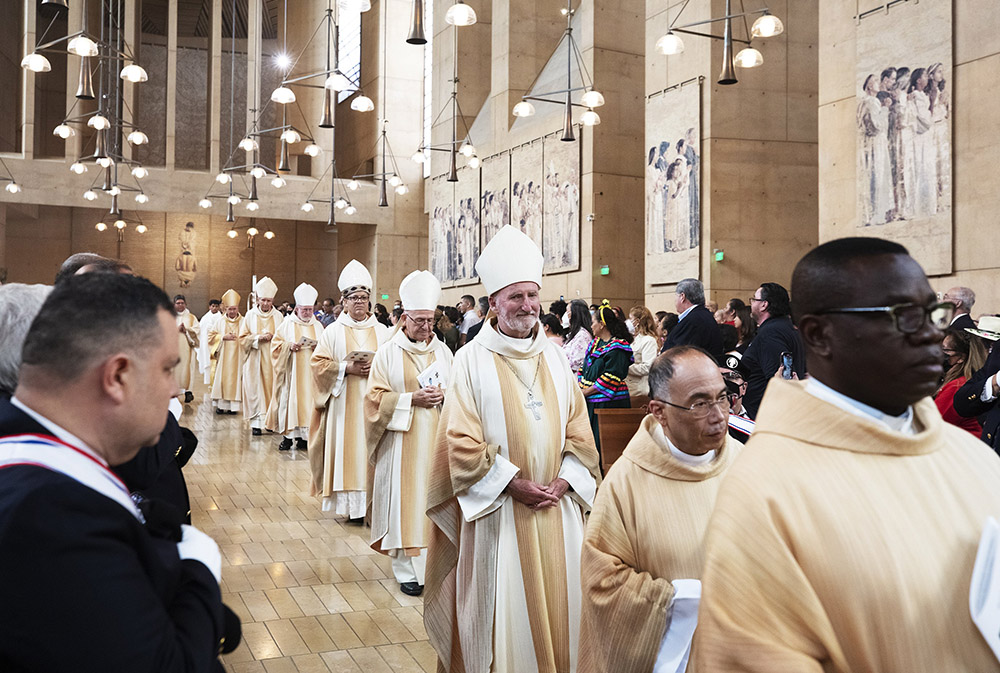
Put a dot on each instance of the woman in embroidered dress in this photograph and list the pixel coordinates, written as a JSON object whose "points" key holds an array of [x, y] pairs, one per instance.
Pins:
{"points": [[602, 378]]}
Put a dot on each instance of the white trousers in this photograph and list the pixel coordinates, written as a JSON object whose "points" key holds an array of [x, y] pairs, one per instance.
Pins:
{"points": [[408, 568]]}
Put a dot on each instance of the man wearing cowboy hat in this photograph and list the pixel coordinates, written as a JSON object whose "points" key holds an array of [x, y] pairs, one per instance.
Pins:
{"points": [[979, 395]]}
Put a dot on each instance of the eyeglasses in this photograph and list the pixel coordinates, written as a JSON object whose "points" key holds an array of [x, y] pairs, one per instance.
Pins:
{"points": [[420, 322], [703, 408], [357, 299], [753, 299], [908, 318]]}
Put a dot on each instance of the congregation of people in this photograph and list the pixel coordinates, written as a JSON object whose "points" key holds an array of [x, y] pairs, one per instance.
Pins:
{"points": [[810, 474]]}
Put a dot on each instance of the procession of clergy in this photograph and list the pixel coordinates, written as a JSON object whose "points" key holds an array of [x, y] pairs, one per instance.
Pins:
{"points": [[843, 539]]}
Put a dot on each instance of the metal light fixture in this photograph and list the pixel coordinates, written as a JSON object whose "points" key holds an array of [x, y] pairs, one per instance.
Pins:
{"points": [[460, 14], [416, 35], [766, 25], [590, 98]]}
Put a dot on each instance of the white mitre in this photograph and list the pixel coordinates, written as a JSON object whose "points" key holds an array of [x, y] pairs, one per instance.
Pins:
{"points": [[510, 257], [354, 277], [420, 291], [265, 288], [305, 295]]}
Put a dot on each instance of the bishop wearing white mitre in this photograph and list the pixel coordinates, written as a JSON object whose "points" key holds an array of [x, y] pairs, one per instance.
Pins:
{"points": [[223, 337], [402, 407], [514, 470], [340, 365], [259, 327], [291, 408]]}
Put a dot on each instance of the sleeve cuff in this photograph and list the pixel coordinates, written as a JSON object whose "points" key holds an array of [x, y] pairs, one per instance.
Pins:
{"points": [[338, 387], [402, 415], [579, 478], [987, 394], [675, 648], [484, 496]]}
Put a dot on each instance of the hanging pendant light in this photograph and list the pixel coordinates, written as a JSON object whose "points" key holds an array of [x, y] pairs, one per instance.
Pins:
{"points": [[85, 88], [749, 58], [362, 103], [383, 201], [767, 25], [567, 136], [134, 73], [50, 8], [416, 35], [283, 161], [728, 74], [460, 14], [326, 122], [36, 62], [81, 45]]}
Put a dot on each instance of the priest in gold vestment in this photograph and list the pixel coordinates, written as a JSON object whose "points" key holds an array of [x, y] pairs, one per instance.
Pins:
{"points": [[187, 344], [259, 327], [337, 443], [844, 536], [643, 546], [514, 470], [224, 340], [402, 407], [291, 409]]}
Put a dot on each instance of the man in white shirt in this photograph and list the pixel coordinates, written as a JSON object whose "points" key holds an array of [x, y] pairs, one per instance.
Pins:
{"points": [[468, 308]]}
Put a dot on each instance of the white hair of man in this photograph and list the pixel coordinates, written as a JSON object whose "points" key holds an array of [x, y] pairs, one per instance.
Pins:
{"points": [[19, 304], [693, 289], [964, 295]]}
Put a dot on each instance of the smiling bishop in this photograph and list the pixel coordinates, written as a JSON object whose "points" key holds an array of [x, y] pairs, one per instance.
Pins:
{"points": [[514, 470]]}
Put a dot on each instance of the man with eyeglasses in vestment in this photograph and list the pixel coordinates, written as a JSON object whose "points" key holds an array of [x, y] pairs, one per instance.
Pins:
{"points": [[643, 546], [340, 364], [406, 388], [844, 536]]}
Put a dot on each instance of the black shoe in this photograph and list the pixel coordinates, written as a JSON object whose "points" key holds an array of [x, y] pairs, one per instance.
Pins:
{"points": [[301, 444], [285, 445], [219, 412], [231, 413], [188, 397], [359, 521], [411, 588], [255, 432]]}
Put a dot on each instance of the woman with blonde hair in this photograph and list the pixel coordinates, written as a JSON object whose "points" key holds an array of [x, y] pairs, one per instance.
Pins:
{"points": [[644, 348]]}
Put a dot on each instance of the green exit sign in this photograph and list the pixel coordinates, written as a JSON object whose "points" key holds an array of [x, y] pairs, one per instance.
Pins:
{"points": [[719, 255], [605, 270], [385, 296]]}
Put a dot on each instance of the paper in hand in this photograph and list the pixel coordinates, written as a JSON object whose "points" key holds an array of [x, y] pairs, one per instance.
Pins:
{"points": [[364, 357], [984, 592], [431, 376]]}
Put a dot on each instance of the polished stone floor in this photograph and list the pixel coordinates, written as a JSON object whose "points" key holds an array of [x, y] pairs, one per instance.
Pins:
{"points": [[311, 593]]}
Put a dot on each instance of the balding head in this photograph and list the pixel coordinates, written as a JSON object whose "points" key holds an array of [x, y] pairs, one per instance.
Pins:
{"points": [[689, 399], [962, 297], [76, 262]]}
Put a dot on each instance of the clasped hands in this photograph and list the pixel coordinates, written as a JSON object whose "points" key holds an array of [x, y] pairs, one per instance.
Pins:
{"points": [[229, 337], [535, 496], [358, 368], [427, 397]]}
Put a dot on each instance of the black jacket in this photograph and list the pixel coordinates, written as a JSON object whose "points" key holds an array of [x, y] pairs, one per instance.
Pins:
{"points": [[963, 321], [763, 357], [84, 586], [968, 402], [697, 329]]}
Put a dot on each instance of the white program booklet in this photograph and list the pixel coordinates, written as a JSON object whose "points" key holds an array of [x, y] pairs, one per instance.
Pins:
{"points": [[984, 593], [431, 376]]}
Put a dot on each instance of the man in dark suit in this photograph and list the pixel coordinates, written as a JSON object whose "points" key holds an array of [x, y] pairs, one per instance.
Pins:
{"points": [[87, 582], [963, 298], [979, 396], [697, 326], [771, 308]]}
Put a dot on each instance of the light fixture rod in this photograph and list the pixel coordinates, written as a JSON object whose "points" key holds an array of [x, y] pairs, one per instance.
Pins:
{"points": [[765, 10], [714, 37]]}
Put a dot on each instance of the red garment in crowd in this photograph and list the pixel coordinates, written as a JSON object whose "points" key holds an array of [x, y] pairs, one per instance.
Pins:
{"points": [[945, 404]]}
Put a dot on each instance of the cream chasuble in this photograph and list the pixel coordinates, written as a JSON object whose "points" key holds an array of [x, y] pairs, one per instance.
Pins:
{"points": [[401, 440], [338, 451], [647, 529], [838, 544], [291, 404], [258, 370], [187, 344], [226, 384], [503, 581], [206, 353]]}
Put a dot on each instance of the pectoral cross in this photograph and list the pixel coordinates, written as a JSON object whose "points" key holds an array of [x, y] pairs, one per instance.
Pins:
{"points": [[532, 404]]}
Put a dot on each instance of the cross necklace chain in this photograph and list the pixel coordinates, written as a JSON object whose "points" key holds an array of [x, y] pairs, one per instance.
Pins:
{"points": [[532, 404]]}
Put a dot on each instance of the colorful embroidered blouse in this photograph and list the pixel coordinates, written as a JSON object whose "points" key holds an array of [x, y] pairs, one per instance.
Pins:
{"points": [[605, 368]]}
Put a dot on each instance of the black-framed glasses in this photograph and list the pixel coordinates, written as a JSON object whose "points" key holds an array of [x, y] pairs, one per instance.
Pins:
{"points": [[702, 408], [421, 322], [753, 299], [907, 318], [357, 298]]}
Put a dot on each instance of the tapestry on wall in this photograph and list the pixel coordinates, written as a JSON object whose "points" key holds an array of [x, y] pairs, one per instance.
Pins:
{"points": [[495, 195], [442, 234], [467, 226], [903, 125], [526, 190], [673, 200], [186, 264], [561, 203]]}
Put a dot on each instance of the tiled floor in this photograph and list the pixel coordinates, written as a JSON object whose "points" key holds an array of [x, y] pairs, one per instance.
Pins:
{"points": [[311, 593]]}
